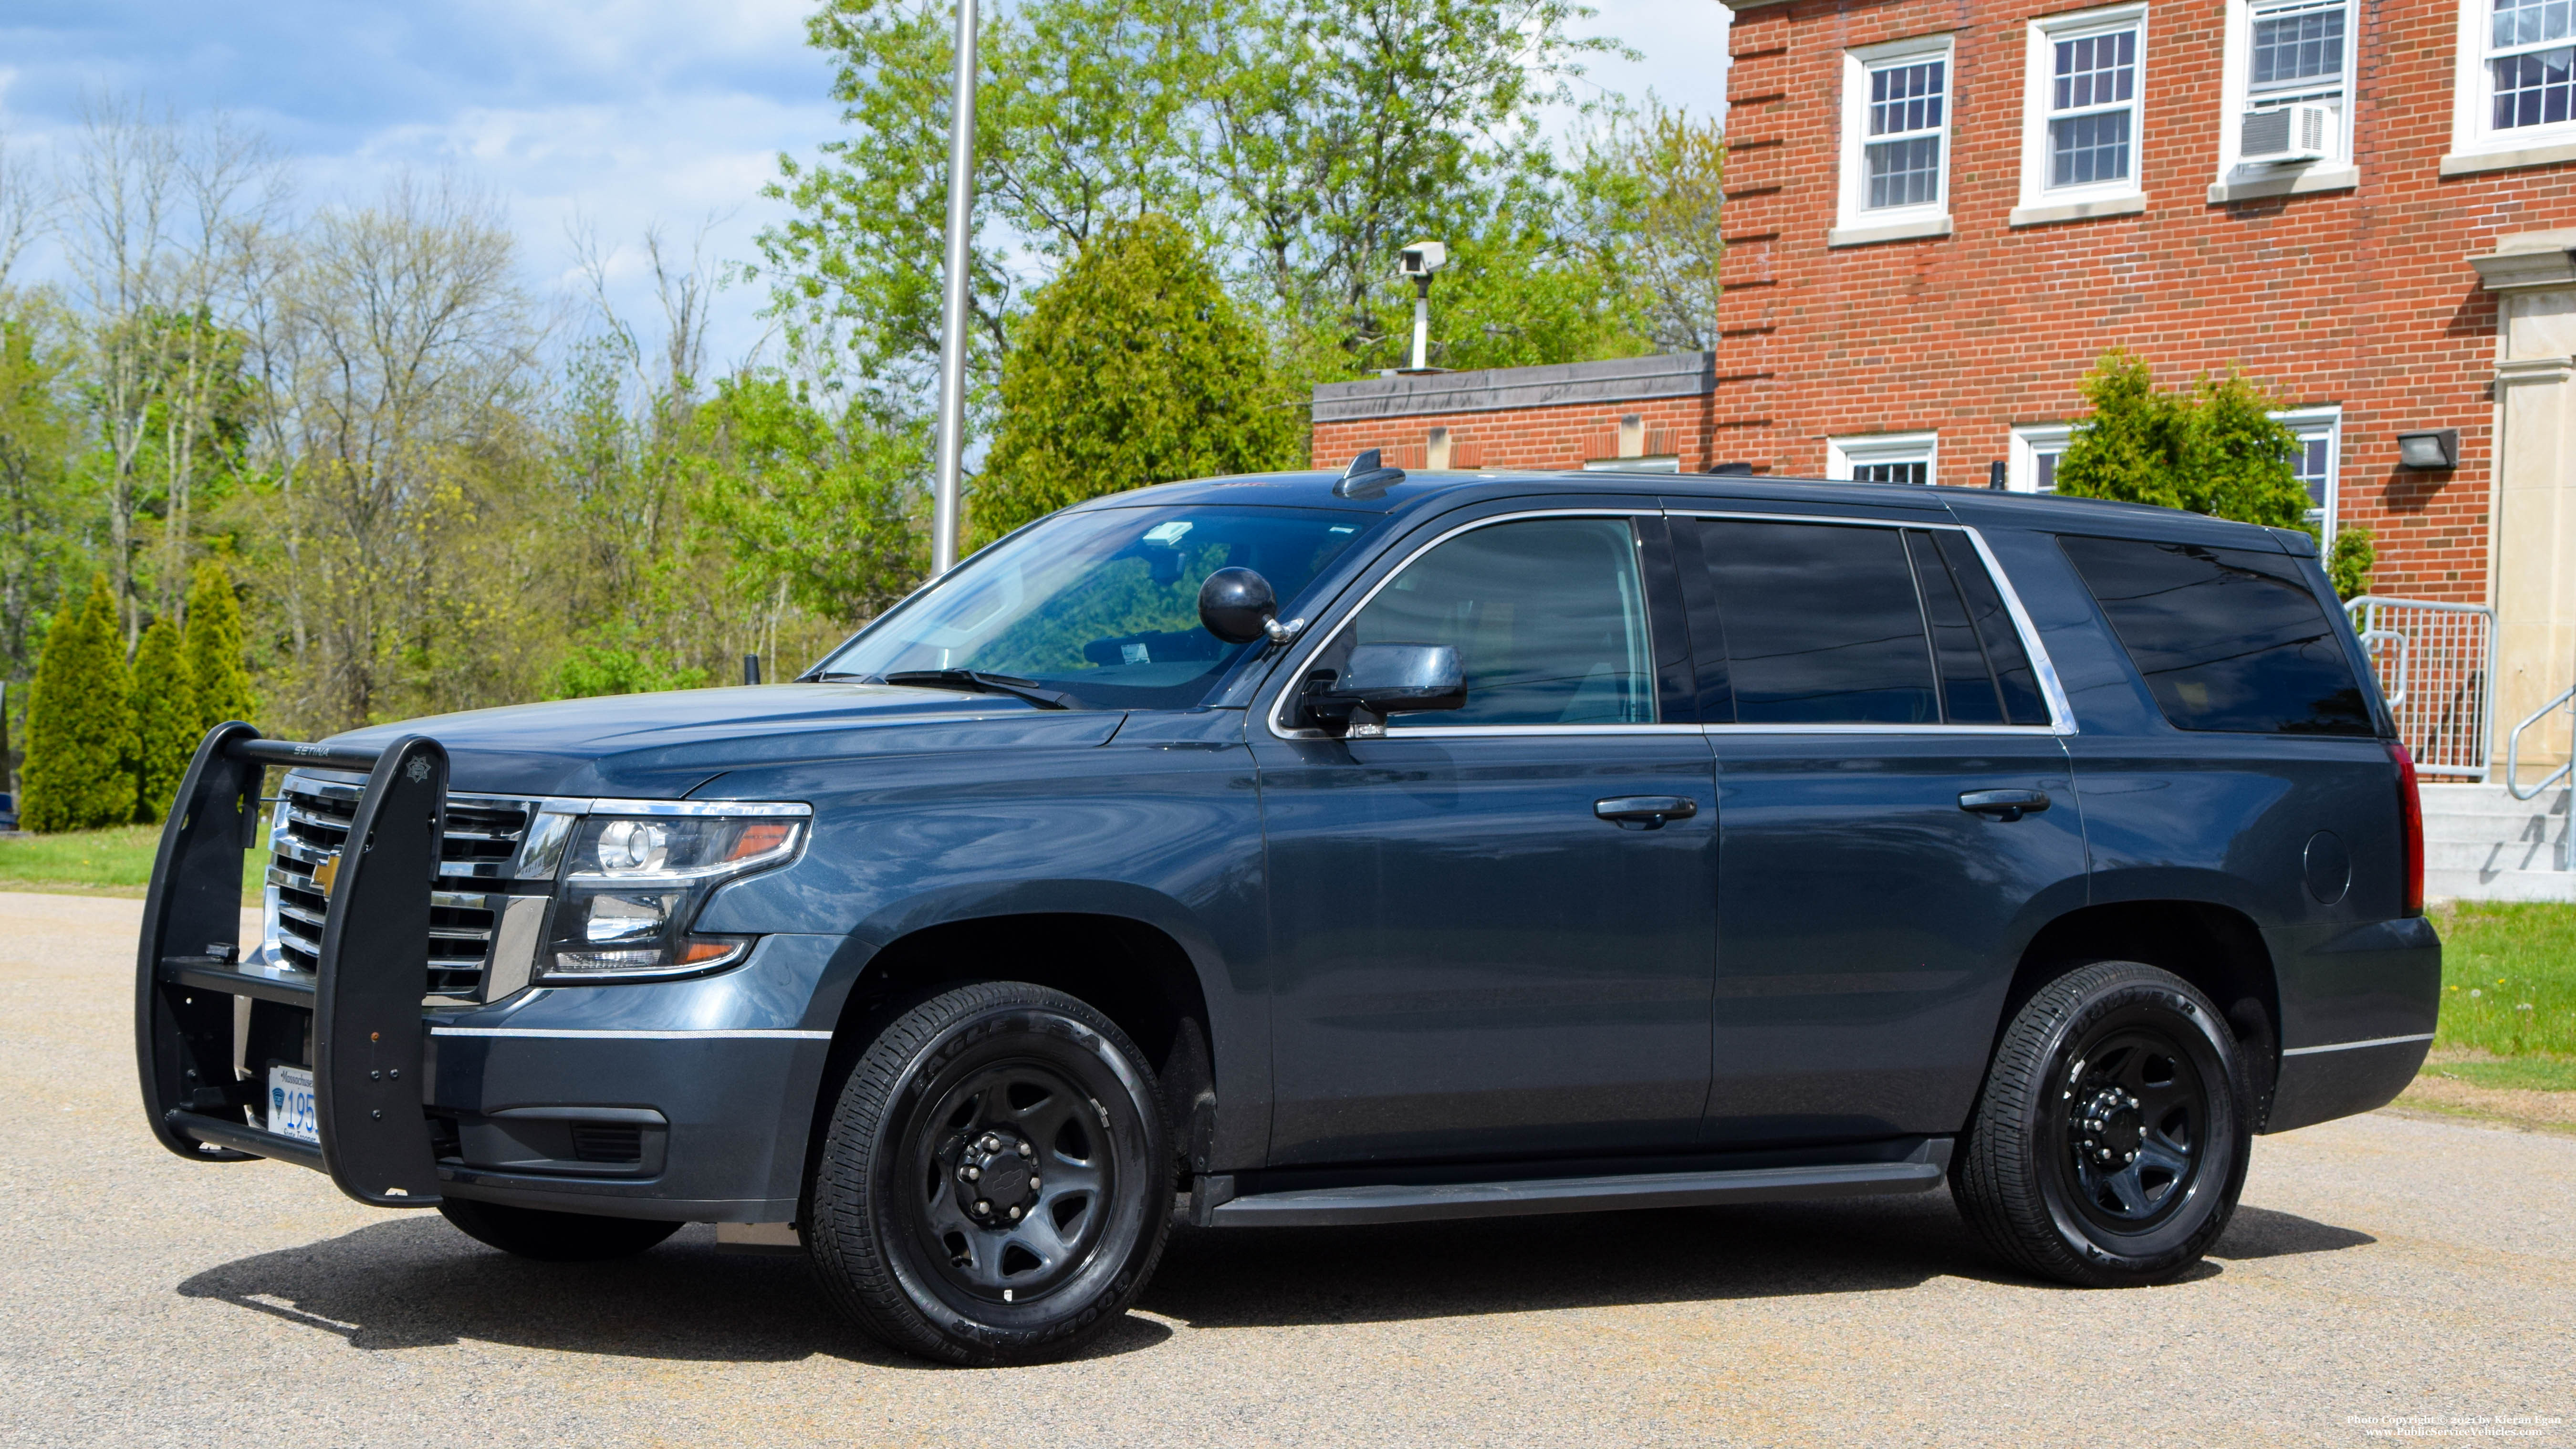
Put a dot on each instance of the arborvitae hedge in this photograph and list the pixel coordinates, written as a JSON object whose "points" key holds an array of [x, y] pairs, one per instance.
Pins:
{"points": [[1132, 368], [80, 724], [216, 675], [165, 720]]}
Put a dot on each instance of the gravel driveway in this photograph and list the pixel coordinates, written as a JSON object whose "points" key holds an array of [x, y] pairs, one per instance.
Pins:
{"points": [[2384, 1274]]}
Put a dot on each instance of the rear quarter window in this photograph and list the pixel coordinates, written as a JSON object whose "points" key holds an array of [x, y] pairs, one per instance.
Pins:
{"points": [[2226, 638]]}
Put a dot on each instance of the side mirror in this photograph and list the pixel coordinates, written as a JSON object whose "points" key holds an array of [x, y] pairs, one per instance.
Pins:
{"points": [[1383, 680], [1236, 605]]}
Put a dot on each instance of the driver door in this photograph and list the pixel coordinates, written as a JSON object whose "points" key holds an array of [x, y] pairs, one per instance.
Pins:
{"points": [[1472, 959]]}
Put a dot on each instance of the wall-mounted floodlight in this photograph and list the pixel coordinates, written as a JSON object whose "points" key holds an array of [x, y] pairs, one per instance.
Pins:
{"points": [[1419, 261], [2430, 448]]}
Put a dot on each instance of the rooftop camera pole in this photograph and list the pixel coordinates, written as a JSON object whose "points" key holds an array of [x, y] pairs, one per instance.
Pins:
{"points": [[952, 332], [1419, 261], [1422, 322]]}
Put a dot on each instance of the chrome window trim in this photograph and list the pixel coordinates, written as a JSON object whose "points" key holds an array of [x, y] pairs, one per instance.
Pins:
{"points": [[2051, 690], [2061, 715], [1317, 641]]}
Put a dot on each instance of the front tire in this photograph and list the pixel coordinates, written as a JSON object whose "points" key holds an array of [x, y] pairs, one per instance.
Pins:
{"points": [[994, 1187], [553, 1237], [2113, 1133]]}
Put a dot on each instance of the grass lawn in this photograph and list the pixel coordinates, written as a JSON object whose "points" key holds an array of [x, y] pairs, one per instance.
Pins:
{"points": [[2509, 983], [112, 862]]}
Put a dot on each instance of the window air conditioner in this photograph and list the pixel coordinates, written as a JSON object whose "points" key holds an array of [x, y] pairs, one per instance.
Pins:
{"points": [[2288, 133]]}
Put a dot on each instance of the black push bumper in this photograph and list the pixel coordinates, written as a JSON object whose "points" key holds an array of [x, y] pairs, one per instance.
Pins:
{"points": [[360, 1009]]}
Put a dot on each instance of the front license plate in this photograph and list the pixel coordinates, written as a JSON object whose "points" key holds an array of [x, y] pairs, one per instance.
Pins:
{"points": [[290, 1104]]}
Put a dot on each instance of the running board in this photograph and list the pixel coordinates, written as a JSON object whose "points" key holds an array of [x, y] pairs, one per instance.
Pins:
{"points": [[1213, 1204]]}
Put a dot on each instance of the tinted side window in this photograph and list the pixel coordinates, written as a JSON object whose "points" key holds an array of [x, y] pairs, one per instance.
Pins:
{"points": [[1969, 694], [2013, 674], [1822, 626], [1548, 618], [2227, 638]]}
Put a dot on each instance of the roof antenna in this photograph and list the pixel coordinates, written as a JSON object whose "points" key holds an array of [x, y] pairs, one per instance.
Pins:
{"points": [[1367, 477]]}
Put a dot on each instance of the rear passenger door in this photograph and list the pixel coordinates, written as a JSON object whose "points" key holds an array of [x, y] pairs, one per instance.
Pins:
{"points": [[1896, 819]]}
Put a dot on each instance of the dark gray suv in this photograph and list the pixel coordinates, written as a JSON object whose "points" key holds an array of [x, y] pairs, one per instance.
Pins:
{"points": [[1310, 849]]}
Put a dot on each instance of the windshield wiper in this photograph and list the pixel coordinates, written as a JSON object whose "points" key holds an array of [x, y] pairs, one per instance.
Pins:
{"points": [[973, 681]]}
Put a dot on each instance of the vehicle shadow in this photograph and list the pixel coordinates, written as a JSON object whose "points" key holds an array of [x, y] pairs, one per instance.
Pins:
{"points": [[416, 1282], [2262, 1233], [1279, 1277]]}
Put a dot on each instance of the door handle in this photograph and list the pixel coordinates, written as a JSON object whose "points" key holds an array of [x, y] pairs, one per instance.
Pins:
{"points": [[2004, 805], [1645, 812]]}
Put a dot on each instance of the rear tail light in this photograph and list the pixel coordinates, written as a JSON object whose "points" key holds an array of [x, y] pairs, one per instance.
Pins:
{"points": [[2410, 815]]}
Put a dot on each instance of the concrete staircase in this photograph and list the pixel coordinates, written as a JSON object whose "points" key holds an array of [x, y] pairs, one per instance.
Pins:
{"points": [[2482, 844]]}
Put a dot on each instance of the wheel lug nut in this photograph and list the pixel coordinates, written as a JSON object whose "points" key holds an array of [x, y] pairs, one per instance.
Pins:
{"points": [[982, 1207], [970, 1172], [992, 1143], [1033, 1184], [1015, 1215], [1024, 1149]]}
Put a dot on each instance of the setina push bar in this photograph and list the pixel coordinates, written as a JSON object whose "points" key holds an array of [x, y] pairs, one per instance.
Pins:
{"points": [[198, 992]]}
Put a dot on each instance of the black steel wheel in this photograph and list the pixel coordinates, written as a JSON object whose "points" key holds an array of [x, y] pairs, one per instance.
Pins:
{"points": [[988, 1190], [553, 1237], [2112, 1136]]}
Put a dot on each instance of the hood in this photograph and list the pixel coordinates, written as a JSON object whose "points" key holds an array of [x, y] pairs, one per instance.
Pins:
{"points": [[662, 746]]}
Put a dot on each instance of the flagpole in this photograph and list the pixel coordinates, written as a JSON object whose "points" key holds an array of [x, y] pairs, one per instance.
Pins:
{"points": [[952, 333]]}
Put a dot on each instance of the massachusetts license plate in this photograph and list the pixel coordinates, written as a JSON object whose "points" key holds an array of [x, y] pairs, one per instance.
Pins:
{"points": [[290, 1104]]}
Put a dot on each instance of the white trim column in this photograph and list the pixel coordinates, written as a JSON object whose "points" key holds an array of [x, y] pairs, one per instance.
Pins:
{"points": [[2533, 513]]}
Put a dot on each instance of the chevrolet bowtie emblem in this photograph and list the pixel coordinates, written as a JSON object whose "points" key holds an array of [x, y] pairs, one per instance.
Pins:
{"points": [[327, 872]]}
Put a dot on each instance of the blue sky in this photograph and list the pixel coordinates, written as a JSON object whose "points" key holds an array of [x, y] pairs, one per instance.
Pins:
{"points": [[614, 113]]}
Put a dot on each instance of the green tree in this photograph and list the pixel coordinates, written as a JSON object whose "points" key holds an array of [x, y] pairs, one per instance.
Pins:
{"points": [[2349, 562], [1133, 368], [2213, 448], [808, 509], [218, 683], [81, 747], [1304, 140], [165, 720]]}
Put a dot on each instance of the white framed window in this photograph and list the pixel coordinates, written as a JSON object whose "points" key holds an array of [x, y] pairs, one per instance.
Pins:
{"points": [[2032, 464], [1897, 110], [2281, 54], [2516, 86], [2318, 461], [1884, 458], [2084, 107]]}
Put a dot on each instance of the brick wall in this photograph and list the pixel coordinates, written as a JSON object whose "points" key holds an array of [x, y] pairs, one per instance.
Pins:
{"points": [[2361, 298], [1566, 436]]}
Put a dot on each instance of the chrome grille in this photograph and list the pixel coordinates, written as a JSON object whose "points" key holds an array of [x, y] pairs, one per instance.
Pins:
{"points": [[482, 837]]}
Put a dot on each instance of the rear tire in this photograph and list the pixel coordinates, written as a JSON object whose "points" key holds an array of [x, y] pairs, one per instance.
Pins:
{"points": [[995, 1184], [553, 1237], [2112, 1137]]}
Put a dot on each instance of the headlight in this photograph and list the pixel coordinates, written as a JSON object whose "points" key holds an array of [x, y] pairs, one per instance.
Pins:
{"points": [[632, 884]]}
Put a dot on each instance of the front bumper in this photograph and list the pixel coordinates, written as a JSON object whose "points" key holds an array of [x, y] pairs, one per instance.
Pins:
{"points": [[711, 1084], [678, 1100]]}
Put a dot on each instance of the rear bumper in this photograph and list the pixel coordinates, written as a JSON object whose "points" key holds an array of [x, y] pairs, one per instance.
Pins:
{"points": [[2358, 1008], [2321, 1084]]}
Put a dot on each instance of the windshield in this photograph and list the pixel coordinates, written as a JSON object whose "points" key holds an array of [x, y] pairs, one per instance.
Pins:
{"points": [[1102, 605]]}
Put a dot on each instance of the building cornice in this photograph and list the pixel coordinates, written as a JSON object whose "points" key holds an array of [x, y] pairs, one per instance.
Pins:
{"points": [[1424, 394], [2529, 260]]}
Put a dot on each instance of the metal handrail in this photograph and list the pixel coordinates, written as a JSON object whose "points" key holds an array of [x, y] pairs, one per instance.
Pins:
{"points": [[2513, 750]]}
